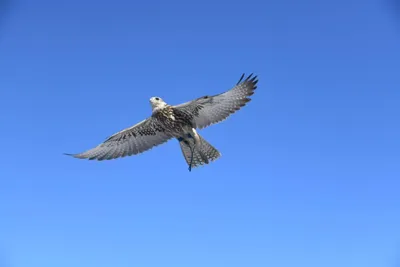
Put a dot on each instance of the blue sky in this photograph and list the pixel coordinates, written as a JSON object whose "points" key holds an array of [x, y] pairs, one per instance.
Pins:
{"points": [[309, 174]]}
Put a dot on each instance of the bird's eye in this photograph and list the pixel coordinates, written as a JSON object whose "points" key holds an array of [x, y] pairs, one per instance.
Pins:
{"points": [[157, 98]]}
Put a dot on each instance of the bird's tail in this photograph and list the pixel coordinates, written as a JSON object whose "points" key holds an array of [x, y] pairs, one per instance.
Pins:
{"points": [[199, 154]]}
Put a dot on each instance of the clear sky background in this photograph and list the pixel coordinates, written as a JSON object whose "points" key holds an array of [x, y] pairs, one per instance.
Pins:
{"points": [[309, 173]]}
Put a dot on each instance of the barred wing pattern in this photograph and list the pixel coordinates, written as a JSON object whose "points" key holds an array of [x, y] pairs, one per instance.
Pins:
{"points": [[208, 110], [134, 140]]}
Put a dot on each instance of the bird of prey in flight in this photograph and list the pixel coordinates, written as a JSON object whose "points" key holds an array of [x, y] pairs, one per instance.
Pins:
{"points": [[179, 122]]}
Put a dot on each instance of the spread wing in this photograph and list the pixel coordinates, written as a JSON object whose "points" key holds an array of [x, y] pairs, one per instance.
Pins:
{"points": [[208, 110], [130, 141]]}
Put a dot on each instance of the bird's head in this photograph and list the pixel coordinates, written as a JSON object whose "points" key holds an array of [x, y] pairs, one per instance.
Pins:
{"points": [[157, 103]]}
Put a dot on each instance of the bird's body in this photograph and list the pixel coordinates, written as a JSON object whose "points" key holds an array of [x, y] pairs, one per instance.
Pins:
{"points": [[179, 122], [174, 120]]}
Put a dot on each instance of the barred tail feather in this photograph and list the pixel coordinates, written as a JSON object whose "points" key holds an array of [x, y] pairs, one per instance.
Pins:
{"points": [[203, 153]]}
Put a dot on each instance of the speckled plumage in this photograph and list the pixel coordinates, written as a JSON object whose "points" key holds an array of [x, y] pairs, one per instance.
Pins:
{"points": [[173, 120], [180, 122]]}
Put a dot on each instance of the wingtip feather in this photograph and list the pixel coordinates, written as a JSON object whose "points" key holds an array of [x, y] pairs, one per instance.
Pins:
{"points": [[241, 78], [251, 78]]}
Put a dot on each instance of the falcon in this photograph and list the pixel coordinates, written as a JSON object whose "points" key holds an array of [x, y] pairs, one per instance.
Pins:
{"points": [[178, 122]]}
